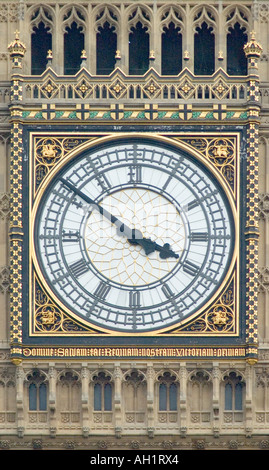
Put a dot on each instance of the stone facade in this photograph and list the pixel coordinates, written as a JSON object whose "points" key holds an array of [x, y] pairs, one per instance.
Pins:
{"points": [[113, 403]]}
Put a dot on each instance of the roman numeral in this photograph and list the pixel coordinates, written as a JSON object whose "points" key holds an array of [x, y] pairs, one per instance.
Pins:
{"points": [[70, 236], [135, 174], [134, 299], [103, 182], [190, 268], [167, 291], [199, 236], [102, 290], [191, 205], [79, 267]]}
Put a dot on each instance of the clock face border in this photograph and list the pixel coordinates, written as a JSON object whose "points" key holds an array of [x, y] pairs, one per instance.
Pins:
{"points": [[173, 140]]}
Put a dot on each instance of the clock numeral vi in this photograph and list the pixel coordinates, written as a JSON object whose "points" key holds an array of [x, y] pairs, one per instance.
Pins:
{"points": [[134, 299]]}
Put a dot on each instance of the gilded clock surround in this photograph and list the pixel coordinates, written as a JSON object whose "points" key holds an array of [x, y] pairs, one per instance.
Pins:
{"points": [[220, 318]]}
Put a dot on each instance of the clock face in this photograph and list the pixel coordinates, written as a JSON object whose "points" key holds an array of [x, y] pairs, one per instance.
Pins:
{"points": [[134, 236]]}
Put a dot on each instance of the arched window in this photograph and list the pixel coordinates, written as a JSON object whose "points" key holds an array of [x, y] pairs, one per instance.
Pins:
{"points": [[234, 396], [41, 27], [135, 397], [236, 59], [171, 50], [106, 46], [73, 46], [102, 393], [204, 50], [168, 391], [37, 391], [41, 42], [138, 50]]}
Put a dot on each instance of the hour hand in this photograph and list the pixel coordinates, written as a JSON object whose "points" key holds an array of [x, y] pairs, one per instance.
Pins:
{"points": [[150, 246]]}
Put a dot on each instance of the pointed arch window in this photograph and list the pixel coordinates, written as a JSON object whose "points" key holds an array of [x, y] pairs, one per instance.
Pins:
{"points": [[234, 396], [41, 42], [102, 397], [73, 46], [204, 50], [37, 392], [102, 393], [106, 46], [168, 391], [236, 58], [171, 50], [138, 50]]}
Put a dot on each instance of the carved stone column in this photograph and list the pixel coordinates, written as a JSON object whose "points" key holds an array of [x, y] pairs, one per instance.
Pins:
{"points": [[19, 400], [150, 397], [249, 400], [183, 398], [118, 399], [85, 400], [52, 399], [216, 399]]}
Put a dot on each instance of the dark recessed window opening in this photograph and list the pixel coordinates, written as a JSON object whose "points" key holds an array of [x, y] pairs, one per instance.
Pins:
{"points": [[138, 50], [204, 50], [171, 50], [73, 46], [236, 59], [106, 45], [41, 42]]}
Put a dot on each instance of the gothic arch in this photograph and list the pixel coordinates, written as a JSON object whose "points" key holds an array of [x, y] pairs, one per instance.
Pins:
{"points": [[171, 14], [106, 13], [167, 372], [68, 375], [139, 13], [41, 25], [199, 375], [207, 14], [106, 27], [101, 373], [237, 27], [36, 375], [233, 373], [134, 374], [73, 24], [74, 14], [205, 26], [237, 14], [171, 24], [41, 13]]}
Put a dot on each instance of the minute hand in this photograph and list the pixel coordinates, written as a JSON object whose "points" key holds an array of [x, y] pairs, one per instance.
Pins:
{"points": [[112, 218]]}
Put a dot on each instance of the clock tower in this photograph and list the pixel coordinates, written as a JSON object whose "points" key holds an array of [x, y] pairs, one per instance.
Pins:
{"points": [[136, 301]]}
